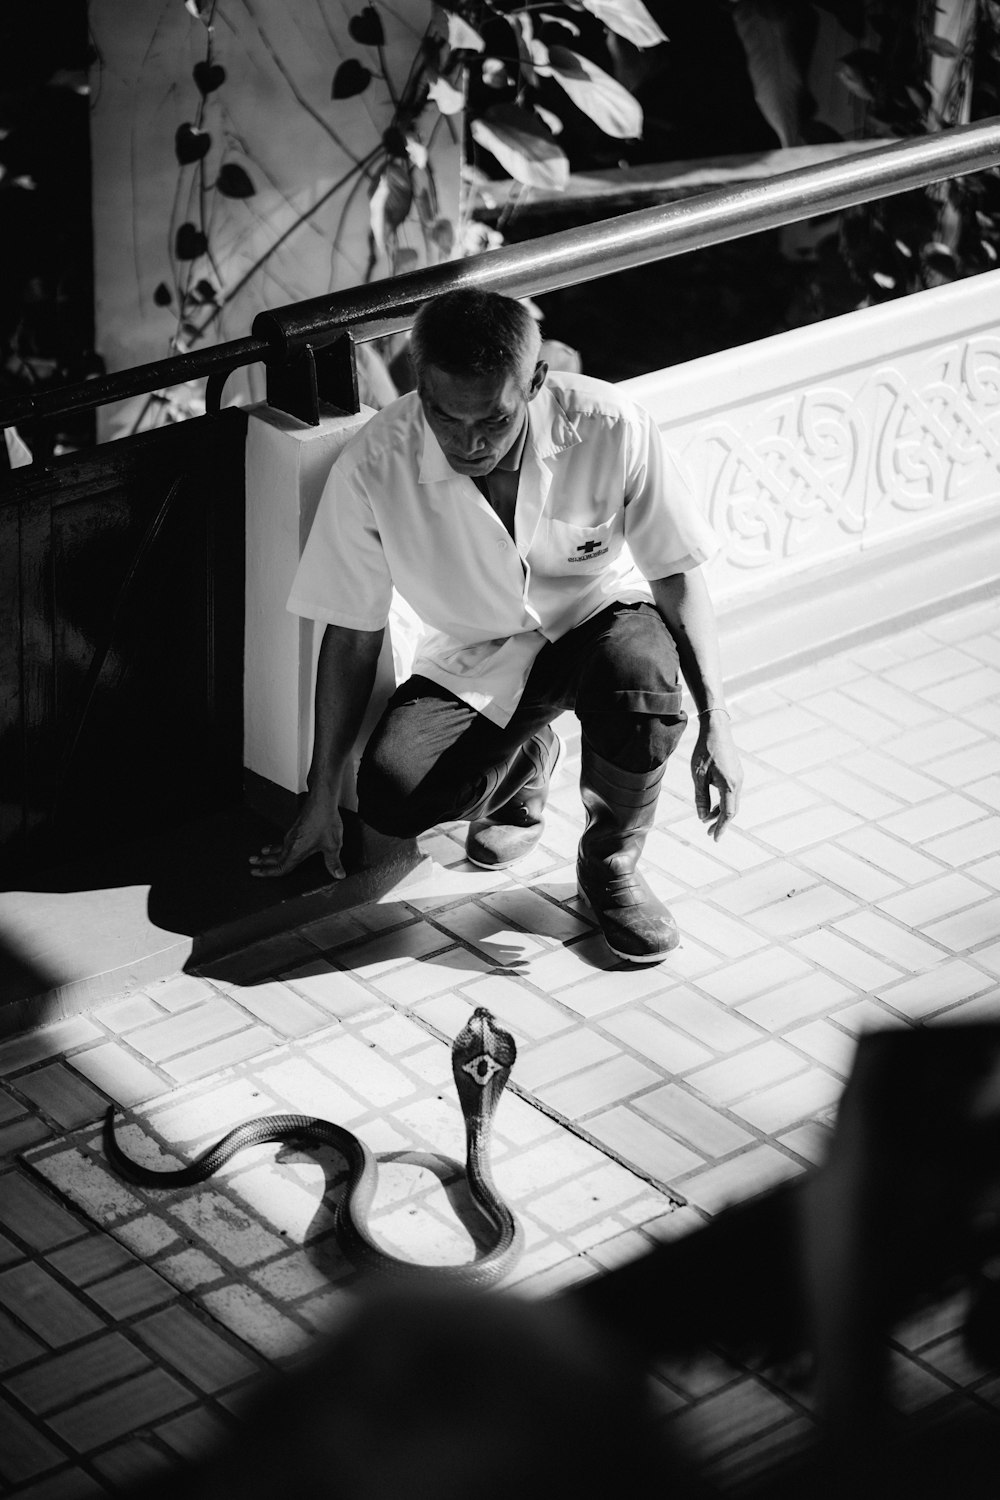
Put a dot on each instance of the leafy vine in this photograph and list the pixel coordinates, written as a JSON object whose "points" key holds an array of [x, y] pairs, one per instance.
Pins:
{"points": [[405, 216]]}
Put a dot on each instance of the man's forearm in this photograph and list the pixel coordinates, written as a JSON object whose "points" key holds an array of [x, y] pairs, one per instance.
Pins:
{"points": [[684, 603], [345, 676]]}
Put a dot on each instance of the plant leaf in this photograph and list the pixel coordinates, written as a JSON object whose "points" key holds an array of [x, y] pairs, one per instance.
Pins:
{"points": [[570, 26], [769, 42], [462, 35], [233, 182], [190, 242], [191, 144], [366, 28], [941, 47], [390, 203], [405, 258], [854, 80], [850, 14], [630, 19], [442, 234], [208, 77], [522, 145], [352, 77], [552, 121], [446, 96], [494, 73], [612, 108]]}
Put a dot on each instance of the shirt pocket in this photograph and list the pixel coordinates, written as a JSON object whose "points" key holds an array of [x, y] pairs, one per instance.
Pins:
{"points": [[566, 549]]}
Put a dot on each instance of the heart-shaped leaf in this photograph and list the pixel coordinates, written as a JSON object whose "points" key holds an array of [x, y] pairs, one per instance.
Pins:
{"points": [[208, 76], [233, 182], [190, 242], [366, 27], [352, 77], [191, 144], [163, 296]]}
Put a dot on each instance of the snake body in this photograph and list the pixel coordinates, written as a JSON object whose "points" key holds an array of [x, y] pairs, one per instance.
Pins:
{"points": [[482, 1057]]}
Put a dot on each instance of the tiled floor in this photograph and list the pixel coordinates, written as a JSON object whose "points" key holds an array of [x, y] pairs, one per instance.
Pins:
{"points": [[861, 888]]}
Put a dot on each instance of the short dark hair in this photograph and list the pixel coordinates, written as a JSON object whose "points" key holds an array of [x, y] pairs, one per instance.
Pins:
{"points": [[472, 332]]}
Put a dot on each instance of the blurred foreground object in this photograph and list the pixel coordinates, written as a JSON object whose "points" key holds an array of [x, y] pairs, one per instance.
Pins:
{"points": [[433, 1394], [905, 1212]]}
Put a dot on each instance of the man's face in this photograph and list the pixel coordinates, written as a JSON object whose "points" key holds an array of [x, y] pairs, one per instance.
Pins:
{"points": [[477, 418]]}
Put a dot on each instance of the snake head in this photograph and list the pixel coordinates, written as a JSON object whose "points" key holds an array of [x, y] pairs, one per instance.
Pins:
{"points": [[482, 1056]]}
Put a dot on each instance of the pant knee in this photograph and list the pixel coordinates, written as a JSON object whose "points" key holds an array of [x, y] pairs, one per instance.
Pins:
{"points": [[386, 805], [632, 741], [390, 803]]}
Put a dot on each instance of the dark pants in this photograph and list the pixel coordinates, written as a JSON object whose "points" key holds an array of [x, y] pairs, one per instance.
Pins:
{"points": [[432, 758]]}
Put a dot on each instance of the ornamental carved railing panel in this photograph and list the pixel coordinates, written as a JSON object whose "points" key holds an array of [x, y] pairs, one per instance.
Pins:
{"points": [[822, 442]]}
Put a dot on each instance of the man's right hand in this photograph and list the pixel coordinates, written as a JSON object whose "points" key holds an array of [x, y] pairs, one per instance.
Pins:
{"points": [[318, 829]]}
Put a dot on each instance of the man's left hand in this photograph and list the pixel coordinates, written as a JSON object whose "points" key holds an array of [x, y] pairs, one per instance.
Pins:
{"points": [[716, 763]]}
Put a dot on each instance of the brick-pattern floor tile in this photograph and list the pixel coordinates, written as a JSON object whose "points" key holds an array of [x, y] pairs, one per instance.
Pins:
{"points": [[104, 1361], [31, 1214], [737, 1077], [742, 1176], [24, 1451], [858, 890], [132, 1405], [65, 1098], [208, 1361], [46, 1307], [707, 1129], [114, 1070]]}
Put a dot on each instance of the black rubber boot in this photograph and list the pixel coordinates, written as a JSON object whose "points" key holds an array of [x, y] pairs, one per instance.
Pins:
{"points": [[621, 806], [510, 824]]}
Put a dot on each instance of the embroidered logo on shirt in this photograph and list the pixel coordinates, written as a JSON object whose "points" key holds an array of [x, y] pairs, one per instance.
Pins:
{"points": [[589, 549]]}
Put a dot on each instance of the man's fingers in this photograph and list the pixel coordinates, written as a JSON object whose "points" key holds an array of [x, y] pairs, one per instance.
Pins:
{"points": [[702, 792], [281, 859], [728, 800], [722, 813]]}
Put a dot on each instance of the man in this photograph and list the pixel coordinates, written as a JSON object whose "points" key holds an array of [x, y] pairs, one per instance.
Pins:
{"points": [[537, 528]]}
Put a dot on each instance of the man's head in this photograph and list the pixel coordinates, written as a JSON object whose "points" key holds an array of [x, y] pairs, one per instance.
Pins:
{"points": [[476, 360]]}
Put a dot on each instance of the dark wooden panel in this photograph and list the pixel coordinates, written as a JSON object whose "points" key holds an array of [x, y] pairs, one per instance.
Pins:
{"points": [[132, 585], [11, 721]]}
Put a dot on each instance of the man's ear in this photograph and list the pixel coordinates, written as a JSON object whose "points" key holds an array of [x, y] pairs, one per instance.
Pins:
{"points": [[537, 379]]}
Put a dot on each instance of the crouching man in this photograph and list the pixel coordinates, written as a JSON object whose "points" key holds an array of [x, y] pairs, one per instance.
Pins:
{"points": [[540, 532]]}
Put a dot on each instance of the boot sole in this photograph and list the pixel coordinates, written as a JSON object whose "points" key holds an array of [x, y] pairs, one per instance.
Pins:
{"points": [[505, 864], [629, 958]]}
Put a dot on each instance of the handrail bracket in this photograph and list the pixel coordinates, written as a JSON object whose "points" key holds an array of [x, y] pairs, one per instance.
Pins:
{"points": [[328, 375]]}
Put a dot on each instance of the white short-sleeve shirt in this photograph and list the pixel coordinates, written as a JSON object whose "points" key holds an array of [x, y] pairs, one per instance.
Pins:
{"points": [[601, 508]]}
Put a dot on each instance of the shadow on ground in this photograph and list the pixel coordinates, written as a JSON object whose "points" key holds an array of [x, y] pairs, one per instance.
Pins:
{"points": [[140, 911]]}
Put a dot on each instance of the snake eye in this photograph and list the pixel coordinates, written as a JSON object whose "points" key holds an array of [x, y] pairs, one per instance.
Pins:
{"points": [[481, 1069]]}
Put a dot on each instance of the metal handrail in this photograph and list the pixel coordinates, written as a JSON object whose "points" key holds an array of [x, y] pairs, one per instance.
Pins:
{"points": [[565, 258]]}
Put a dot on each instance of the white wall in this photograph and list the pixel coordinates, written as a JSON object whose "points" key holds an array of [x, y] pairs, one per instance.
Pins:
{"points": [[824, 442]]}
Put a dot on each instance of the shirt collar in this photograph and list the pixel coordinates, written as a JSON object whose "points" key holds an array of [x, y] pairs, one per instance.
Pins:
{"points": [[511, 460]]}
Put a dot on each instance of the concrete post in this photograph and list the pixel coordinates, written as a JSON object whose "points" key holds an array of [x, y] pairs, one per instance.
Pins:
{"points": [[287, 464]]}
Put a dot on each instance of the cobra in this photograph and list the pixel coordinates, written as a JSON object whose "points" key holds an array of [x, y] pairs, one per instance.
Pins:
{"points": [[482, 1056]]}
